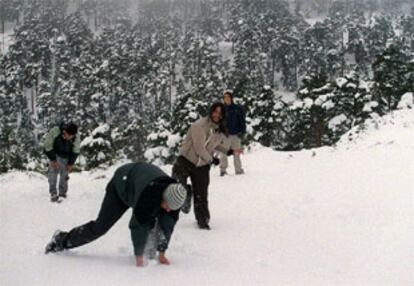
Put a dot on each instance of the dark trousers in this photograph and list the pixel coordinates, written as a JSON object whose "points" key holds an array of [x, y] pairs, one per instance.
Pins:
{"points": [[200, 179], [112, 209]]}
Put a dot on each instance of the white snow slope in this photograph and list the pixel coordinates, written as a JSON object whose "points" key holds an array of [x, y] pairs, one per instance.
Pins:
{"points": [[329, 216]]}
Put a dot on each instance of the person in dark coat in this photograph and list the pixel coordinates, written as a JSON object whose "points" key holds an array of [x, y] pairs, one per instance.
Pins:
{"points": [[62, 147], [155, 198], [236, 127]]}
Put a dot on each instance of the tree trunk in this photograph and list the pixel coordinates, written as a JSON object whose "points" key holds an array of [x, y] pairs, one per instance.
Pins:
{"points": [[318, 132]]}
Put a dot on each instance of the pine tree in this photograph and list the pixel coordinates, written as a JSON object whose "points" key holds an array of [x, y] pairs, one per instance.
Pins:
{"points": [[390, 76], [132, 141], [407, 25], [161, 143], [352, 102], [262, 117], [310, 113], [97, 148], [379, 33]]}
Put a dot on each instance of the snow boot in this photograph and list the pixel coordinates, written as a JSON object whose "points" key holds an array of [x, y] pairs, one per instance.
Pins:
{"points": [[203, 225], [54, 198], [56, 244]]}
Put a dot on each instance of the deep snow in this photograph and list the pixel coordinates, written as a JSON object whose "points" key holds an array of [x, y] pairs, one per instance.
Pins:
{"points": [[328, 216]]}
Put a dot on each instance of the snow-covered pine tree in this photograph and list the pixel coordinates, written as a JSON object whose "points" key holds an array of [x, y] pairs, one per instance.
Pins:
{"points": [[378, 34], [390, 75], [261, 118], [83, 80], [97, 149], [161, 142], [407, 26], [310, 113], [187, 108], [352, 102], [317, 43], [131, 141]]}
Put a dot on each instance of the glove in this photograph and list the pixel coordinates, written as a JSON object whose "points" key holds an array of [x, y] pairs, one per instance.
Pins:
{"points": [[215, 161]]}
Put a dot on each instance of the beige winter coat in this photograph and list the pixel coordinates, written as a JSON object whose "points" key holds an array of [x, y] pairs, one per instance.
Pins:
{"points": [[201, 141]]}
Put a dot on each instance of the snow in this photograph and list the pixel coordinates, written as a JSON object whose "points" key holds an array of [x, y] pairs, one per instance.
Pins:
{"points": [[313, 21], [193, 115], [369, 106], [407, 101], [297, 104], [101, 156], [101, 129], [173, 140], [326, 87], [304, 91], [336, 121], [105, 64], [327, 216], [341, 81], [308, 102], [90, 141], [328, 105], [394, 130], [351, 85]]}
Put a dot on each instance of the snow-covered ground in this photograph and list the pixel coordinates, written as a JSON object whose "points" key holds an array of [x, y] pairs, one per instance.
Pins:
{"points": [[329, 216]]}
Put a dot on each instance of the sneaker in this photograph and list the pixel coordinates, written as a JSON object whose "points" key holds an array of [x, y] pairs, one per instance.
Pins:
{"points": [[56, 243], [54, 198], [223, 173]]}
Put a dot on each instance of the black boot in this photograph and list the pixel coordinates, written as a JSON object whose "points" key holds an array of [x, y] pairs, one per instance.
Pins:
{"points": [[57, 243], [203, 225]]}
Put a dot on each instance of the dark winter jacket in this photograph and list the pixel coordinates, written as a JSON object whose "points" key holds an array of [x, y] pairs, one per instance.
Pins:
{"points": [[55, 144], [140, 186], [236, 121]]}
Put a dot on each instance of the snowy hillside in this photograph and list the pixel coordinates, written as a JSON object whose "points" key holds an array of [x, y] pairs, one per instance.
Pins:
{"points": [[329, 216]]}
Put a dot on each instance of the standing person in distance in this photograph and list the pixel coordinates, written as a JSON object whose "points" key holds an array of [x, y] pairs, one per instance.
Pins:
{"points": [[236, 127], [62, 147]]}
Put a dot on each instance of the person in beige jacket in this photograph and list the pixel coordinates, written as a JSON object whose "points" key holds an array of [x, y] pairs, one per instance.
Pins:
{"points": [[203, 139]]}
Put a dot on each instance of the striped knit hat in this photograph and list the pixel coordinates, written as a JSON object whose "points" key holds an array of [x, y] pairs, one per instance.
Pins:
{"points": [[174, 195]]}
